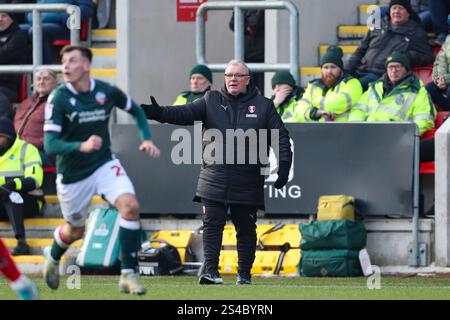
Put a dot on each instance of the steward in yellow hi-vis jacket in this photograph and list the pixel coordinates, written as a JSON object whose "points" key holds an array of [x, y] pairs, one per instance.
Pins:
{"points": [[286, 93], [200, 79], [331, 97], [397, 96], [21, 177]]}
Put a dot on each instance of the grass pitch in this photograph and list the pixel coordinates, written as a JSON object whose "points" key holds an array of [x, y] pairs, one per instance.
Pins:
{"points": [[273, 288]]}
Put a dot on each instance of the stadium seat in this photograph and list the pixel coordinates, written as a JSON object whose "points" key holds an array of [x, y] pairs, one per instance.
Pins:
{"points": [[424, 73], [428, 167], [84, 34], [23, 90], [436, 49]]}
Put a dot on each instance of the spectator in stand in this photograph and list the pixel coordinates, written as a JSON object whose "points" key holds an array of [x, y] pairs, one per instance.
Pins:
{"points": [[54, 24], [13, 51], [421, 8], [200, 82], [398, 96], [402, 33], [30, 116], [439, 10], [331, 97], [441, 77], [254, 28], [21, 177], [286, 93]]}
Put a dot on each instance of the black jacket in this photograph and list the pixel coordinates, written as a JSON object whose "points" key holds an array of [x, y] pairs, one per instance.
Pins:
{"points": [[232, 183], [254, 28], [13, 51], [409, 39]]}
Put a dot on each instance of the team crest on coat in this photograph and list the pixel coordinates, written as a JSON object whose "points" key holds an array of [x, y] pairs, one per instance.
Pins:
{"points": [[251, 109], [100, 97], [400, 100]]}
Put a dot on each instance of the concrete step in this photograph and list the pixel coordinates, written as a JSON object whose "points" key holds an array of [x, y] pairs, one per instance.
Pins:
{"points": [[355, 32], [37, 245], [347, 49], [108, 75], [104, 58], [363, 12], [309, 73], [104, 35]]}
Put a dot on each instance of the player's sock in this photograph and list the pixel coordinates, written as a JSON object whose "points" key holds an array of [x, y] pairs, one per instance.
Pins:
{"points": [[59, 245], [7, 265], [129, 236]]}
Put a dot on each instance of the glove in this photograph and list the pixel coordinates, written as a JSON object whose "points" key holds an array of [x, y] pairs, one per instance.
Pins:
{"points": [[283, 174], [152, 111], [4, 194]]}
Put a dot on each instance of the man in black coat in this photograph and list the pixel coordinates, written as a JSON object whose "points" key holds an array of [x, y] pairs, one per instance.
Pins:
{"points": [[13, 51], [231, 177], [402, 33]]}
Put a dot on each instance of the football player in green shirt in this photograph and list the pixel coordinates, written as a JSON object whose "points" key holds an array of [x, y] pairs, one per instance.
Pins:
{"points": [[76, 130]]}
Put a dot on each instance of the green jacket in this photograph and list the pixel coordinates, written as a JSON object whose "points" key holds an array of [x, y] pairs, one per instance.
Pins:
{"points": [[407, 101], [441, 65], [287, 107], [189, 96], [338, 99]]}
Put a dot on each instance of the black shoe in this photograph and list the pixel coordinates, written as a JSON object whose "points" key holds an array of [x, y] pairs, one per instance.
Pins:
{"points": [[209, 278], [243, 280], [22, 249]]}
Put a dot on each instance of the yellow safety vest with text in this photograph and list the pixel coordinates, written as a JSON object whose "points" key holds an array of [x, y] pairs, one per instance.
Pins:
{"points": [[339, 99], [409, 101], [22, 160]]}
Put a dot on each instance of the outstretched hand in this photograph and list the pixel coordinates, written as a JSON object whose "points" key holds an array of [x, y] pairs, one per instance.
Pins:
{"points": [[152, 111]]}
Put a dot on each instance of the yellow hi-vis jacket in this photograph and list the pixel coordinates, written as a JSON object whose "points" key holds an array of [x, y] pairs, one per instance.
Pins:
{"points": [[408, 101], [338, 99], [22, 160]]}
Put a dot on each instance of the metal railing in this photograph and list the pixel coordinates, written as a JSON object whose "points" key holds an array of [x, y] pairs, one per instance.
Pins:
{"points": [[74, 25], [238, 6]]}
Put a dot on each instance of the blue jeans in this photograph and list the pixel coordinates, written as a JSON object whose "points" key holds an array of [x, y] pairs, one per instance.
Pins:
{"points": [[47, 161], [50, 33], [439, 10], [437, 96]]}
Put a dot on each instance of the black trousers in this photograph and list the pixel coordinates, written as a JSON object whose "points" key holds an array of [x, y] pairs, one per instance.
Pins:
{"points": [[16, 213], [214, 220]]}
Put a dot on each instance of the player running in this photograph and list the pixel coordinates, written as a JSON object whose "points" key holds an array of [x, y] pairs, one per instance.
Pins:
{"points": [[76, 129], [24, 287]]}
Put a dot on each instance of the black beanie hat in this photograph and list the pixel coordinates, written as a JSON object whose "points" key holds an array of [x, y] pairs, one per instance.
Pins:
{"points": [[203, 70], [283, 77], [400, 58], [334, 55], [407, 5], [12, 15], [7, 128]]}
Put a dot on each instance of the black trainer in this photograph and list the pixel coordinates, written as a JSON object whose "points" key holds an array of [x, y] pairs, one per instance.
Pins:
{"points": [[22, 249], [243, 280], [209, 278]]}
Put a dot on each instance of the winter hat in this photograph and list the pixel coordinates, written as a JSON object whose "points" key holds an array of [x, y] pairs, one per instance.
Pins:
{"points": [[12, 15], [400, 58], [334, 55], [283, 77], [7, 128], [407, 5], [203, 70]]}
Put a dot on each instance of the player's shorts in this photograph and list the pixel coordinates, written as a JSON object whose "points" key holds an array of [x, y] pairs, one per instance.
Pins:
{"points": [[109, 181]]}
